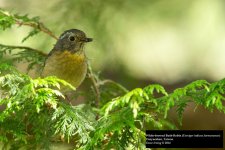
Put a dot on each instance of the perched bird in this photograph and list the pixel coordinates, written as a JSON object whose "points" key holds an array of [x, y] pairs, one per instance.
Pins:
{"points": [[67, 60]]}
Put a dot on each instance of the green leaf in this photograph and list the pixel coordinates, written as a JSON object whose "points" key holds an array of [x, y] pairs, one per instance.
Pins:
{"points": [[31, 33]]}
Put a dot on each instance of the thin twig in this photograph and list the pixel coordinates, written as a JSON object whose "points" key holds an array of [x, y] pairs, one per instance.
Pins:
{"points": [[113, 82], [95, 85], [25, 47], [39, 26]]}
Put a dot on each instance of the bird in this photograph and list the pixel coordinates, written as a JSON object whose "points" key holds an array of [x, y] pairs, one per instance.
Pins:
{"points": [[67, 59]]}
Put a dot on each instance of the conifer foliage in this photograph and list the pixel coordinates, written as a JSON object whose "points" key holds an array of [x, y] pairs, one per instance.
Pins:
{"points": [[35, 114]]}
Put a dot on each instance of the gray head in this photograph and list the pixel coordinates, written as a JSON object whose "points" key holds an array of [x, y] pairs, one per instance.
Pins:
{"points": [[71, 40]]}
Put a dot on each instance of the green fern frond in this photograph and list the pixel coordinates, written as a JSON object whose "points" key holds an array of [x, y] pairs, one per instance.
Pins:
{"points": [[70, 121], [30, 34], [132, 99], [8, 19], [155, 87], [215, 97], [115, 123]]}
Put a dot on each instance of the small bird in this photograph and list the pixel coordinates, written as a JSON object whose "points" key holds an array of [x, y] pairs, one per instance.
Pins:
{"points": [[67, 60]]}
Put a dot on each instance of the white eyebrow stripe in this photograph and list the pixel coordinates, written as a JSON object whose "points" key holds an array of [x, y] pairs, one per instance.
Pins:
{"points": [[61, 37]]}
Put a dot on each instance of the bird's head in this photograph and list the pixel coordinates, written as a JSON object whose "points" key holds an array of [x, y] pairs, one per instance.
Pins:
{"points": [[72, 40]]}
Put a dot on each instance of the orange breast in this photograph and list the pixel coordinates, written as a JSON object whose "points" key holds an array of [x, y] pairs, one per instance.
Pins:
{"points": [[67, 66]]}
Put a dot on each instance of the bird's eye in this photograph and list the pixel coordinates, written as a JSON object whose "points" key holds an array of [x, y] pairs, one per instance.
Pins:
{"points": [[72, 38]]}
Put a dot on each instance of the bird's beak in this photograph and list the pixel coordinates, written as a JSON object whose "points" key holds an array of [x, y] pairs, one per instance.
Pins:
{"points": [[87, 39]]}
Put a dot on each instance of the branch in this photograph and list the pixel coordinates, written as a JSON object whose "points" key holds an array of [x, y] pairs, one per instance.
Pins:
{"points": [[39, 26], [25, 47], [95, 85], [32, 23], [113, 82]]}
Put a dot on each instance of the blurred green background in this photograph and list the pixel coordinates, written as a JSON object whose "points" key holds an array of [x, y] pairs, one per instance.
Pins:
{"points": [[159, 40], [170, 42]]}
